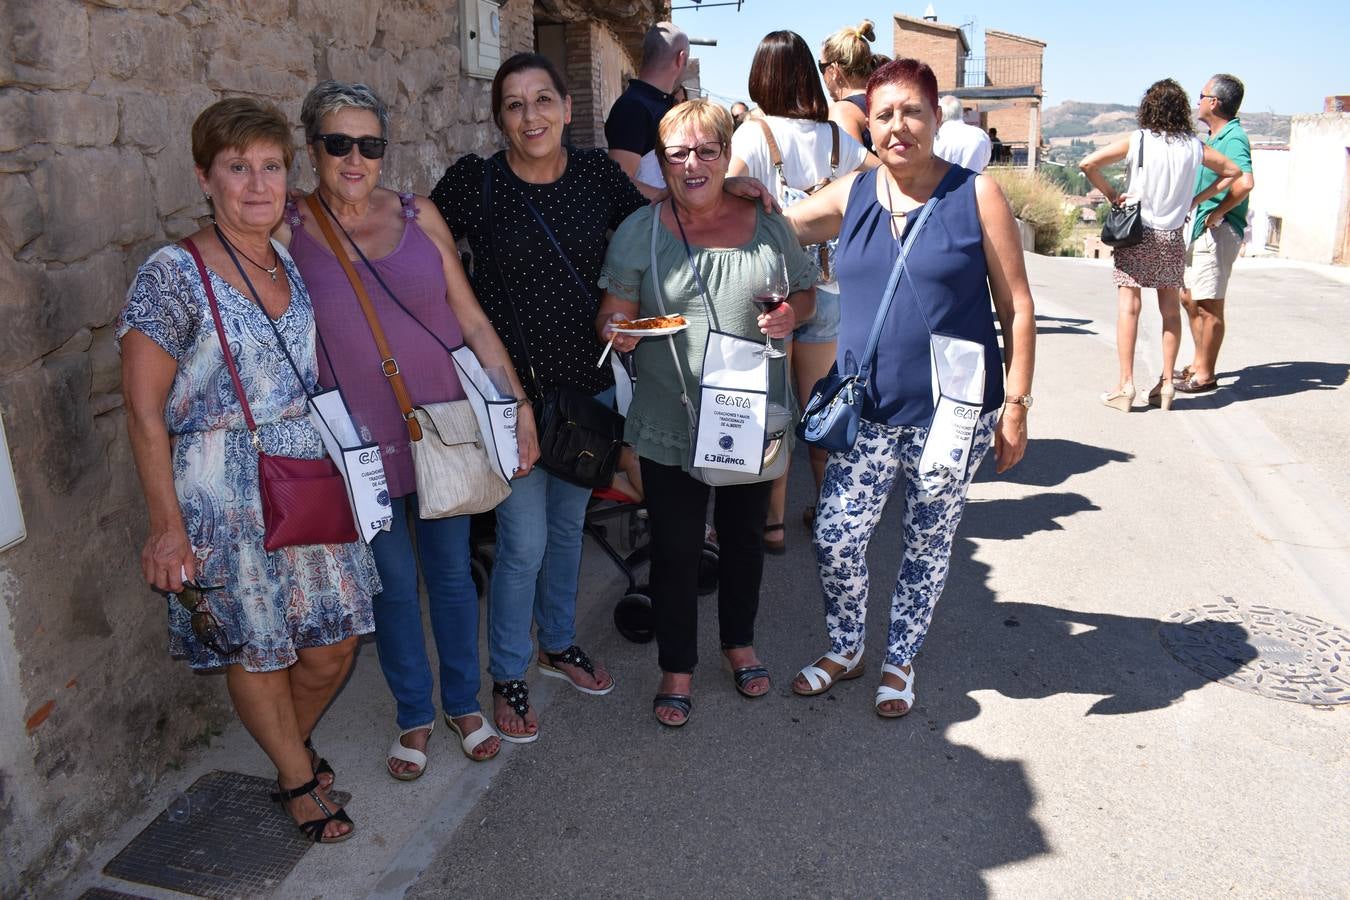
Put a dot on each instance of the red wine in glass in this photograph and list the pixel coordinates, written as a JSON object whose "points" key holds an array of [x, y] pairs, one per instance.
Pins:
{"points": [[770, 291], [769, 302]]}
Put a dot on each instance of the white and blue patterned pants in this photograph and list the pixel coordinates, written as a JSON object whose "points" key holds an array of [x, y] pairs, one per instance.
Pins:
{"points": [[855, 490]]}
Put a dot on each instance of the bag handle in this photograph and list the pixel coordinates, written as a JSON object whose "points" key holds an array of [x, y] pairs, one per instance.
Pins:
{"points": [[388, 364], [776, 156], [224, 343], [865, 373]]}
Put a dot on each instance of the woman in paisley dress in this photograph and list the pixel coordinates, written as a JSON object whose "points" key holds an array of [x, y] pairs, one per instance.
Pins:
{"points": [[284, 624], [967, 254]]}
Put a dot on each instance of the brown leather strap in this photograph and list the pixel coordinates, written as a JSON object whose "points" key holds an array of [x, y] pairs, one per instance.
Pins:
{"points": [[775, 157], [834, 147], [388, 365]]}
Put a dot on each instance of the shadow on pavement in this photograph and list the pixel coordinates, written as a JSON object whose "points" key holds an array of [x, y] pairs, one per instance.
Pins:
{"points": [[1273, 379], [794, 796], [1046, 325], [1052, 461]]}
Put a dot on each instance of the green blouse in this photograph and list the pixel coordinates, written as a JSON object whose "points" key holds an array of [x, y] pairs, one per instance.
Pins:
{"points": [[657, 426]]}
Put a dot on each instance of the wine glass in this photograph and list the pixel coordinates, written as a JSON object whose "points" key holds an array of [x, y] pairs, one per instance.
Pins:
{"points": [[769, 292]]}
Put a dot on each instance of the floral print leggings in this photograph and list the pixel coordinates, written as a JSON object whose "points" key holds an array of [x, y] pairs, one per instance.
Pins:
{"points": [[855, 490]]}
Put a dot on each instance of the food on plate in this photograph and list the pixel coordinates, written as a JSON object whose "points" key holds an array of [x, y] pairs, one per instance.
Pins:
{"points": [[676, 321]]}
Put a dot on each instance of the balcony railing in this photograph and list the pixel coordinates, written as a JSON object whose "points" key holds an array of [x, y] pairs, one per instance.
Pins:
{"points": [[999, 71], [1010, 153]]}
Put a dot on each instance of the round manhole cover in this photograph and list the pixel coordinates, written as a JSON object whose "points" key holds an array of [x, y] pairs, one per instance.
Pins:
{"points": [[1271, 652]]}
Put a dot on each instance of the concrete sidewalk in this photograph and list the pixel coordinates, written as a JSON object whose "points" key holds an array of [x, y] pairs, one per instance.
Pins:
{"points": [[1056, 747]]}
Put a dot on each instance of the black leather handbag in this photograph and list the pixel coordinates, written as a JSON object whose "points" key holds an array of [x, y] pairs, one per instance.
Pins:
{"points": [[1123, 225]]}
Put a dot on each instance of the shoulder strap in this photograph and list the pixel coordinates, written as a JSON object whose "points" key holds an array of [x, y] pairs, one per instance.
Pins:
{"points": [[865, 373], [224, 343], [388, 365], [834, 146], [775, 157]]}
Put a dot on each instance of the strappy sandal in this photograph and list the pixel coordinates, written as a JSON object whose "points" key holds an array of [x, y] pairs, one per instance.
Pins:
{"points": [[746, 674], [474, 739], [572, 656], [321, 766], [313, 829], [516, 693], [776, 547], [906, 695], [681, 703], [408, 754], [821, 681]]}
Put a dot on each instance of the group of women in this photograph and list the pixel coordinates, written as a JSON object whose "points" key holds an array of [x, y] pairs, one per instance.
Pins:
{"points": [[564, 250]]}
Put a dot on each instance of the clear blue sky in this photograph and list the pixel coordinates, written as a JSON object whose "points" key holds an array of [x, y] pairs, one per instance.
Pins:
{"points": [[1289, 53]]}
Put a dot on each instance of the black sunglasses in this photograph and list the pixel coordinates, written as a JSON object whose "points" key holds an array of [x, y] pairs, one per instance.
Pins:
{"points": [[205, 625], [824, 65], [341, 144]]}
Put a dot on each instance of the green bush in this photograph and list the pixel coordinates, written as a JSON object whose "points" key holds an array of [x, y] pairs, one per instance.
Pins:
{"points": [[1037, 201]]}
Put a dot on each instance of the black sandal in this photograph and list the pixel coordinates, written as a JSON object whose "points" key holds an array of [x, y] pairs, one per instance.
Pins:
{"points": [[572, 656], [746, 674], [778, 547], [681, 703], [313, 829], [321, 766], [517, 695]]}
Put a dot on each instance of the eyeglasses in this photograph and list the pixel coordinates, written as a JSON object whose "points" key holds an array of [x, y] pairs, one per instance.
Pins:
{"points": [[1208, 97], [205, 625], [824, 65], [340, 145], [707, 152]]}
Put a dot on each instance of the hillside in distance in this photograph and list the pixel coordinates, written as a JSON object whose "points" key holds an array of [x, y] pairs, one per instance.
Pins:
{"points": [[1098, 123]]}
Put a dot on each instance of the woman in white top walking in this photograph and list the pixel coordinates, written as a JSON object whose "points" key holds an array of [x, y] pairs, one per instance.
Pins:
{"points": [[1162, 159], [794, 149]]}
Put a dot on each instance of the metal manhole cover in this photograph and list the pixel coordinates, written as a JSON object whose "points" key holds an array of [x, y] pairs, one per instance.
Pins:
{"points": [[1271, 652], [230, 841]]}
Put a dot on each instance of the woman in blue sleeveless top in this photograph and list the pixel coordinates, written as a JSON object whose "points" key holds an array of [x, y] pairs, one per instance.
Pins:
{"points": [[967, 252]]}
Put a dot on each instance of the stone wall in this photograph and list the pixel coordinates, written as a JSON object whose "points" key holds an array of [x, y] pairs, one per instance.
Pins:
{"points": [[96, 101]]}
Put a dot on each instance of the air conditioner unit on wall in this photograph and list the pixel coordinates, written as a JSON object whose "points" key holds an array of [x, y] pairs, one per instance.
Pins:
{"points": [[480, 37]]}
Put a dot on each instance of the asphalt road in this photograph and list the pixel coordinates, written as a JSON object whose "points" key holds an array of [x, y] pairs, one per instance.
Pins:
{"points": [[1056, 747]]}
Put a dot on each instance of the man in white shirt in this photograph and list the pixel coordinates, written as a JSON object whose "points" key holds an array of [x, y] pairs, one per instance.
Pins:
{"points": [[957, 142]]}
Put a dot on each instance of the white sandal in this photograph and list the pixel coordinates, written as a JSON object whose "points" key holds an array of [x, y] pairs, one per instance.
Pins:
{"points": [[408, 754], [885, 692], [474, 739], [821, 680]]}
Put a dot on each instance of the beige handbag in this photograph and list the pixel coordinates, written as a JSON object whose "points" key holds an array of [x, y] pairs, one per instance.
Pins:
{"points": [[454, 474], [450, 458]]}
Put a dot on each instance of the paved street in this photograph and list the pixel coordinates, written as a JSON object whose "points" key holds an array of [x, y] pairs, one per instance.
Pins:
{"points": [[1056, 749]]}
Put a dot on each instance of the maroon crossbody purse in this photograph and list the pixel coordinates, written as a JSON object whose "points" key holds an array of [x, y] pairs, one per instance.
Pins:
{"points": [[304, 501]]}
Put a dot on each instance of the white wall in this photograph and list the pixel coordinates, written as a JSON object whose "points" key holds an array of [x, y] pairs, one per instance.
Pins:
{"points": [[1315, 218], [1269, 196]]}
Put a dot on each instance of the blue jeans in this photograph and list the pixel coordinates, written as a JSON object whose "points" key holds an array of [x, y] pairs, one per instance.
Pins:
{"points": [[443, 552], [534, 575]]}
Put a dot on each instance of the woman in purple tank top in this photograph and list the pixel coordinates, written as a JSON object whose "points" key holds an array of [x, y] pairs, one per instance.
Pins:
{"points": [[409, 245]]}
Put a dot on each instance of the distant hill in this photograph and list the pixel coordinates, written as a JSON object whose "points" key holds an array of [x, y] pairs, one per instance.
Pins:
{"points": [[1097, 123]]}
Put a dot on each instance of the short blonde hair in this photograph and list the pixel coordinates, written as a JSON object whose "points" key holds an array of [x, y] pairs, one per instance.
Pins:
{"points": [[238, 123], [696, 114]]}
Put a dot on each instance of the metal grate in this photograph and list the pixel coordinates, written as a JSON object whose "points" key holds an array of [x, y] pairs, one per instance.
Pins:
{"points": [[228, 839], [106, 894]]}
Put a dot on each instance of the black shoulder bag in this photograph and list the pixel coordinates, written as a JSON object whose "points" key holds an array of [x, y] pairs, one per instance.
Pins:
{"points": [[1124, 226], [580, 439]]}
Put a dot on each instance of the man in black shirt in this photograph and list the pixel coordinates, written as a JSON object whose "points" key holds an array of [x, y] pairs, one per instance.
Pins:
{"points": [[630, 129]]}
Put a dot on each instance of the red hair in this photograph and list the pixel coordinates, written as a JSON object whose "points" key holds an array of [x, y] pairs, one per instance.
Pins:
{"points": [[909, 72]]}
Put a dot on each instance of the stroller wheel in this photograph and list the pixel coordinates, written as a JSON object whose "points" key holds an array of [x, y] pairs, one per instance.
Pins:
{"points": [[633, 616], [479, 571], [707, 569]]}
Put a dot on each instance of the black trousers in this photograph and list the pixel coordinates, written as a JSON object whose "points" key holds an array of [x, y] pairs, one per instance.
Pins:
{"points": [[676, 508]]}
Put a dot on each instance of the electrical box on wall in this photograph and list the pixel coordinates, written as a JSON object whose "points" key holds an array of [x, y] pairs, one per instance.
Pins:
{"points": [[11, 516], [480, 37]]}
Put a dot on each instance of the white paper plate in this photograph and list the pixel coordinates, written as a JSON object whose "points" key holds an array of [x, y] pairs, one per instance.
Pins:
{"points": [[650, 332]]}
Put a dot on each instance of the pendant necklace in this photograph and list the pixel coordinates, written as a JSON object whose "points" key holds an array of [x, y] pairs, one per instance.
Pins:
{"points": [[272, 272], [897, 218]]}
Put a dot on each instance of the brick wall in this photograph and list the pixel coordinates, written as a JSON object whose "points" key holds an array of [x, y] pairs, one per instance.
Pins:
{"points": [[96, 100], [1001, 45], [936, 44], [597, 67]]}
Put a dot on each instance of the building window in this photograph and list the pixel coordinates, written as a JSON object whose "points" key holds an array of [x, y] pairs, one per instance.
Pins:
{"points": [[1273, 224]]}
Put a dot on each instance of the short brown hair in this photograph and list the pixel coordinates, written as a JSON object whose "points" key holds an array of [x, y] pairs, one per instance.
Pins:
{"points": [[520, 63], [784, 79], [698, 113], [239, 123]]}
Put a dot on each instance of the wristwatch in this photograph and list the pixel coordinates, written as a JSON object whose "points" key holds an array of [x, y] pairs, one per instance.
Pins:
{"points": [[1020, 399]]}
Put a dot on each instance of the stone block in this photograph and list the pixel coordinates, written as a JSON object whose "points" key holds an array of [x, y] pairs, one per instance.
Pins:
{"points": [[376, 68], [415, 24], [47, 411], [227, 74], [93, 198], [140, 46], [55, 117], [420, 71], [50, 44], [44, 311], [159, 6], [144, 121], [20, 212], [264, 12], [175, 182], [256, 59], [21, 311], [340, 21]]}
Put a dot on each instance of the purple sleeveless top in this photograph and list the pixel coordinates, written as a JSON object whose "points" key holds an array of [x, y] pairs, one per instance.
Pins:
{"points": [[346, 349]]}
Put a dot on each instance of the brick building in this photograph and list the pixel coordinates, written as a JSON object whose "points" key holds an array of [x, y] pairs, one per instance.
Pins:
{"points": [[1001, 90]]}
